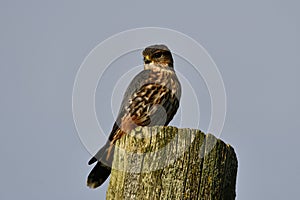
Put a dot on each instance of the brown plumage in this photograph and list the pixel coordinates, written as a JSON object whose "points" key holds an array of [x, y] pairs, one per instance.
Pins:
{"points": [[152, 98]]}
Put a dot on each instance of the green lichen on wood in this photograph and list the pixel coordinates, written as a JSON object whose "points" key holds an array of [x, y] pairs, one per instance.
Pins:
{"points": [[170, 163]]}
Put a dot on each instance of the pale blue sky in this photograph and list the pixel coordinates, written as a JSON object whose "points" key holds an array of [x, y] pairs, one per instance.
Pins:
{"points": [[255, 45]]}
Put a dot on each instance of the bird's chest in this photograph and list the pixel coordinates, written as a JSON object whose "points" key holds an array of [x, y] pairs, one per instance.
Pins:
{"points": [[165, 81]]}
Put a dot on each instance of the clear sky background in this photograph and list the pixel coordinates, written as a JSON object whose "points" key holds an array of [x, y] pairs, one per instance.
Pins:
{"points": [[255, 45]]}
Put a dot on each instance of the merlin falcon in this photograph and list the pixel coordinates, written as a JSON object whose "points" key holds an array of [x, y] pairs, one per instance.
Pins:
{"points": [[152, 98]]}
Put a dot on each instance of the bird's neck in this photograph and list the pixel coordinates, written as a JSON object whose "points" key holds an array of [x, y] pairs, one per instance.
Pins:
{"points": [[159, 67]]}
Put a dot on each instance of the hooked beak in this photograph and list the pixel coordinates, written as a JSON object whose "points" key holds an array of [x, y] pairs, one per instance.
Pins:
{"points": [[147, 59]]}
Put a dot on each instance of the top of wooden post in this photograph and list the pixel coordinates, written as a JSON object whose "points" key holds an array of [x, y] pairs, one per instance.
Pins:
{"points": [[170, 163]]}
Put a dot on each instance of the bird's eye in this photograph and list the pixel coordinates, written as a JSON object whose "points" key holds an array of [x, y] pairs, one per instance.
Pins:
{"points": [[157, 55]]}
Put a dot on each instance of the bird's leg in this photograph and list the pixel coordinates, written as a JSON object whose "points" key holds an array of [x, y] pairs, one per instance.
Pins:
{"points": [[127, 124]]}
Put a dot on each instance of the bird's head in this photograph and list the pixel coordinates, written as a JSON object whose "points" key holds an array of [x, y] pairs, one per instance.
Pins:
{"points": [[157, 56]]}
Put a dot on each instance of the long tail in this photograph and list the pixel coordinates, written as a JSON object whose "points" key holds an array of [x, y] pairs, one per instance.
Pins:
{"points": [[102, 169]]}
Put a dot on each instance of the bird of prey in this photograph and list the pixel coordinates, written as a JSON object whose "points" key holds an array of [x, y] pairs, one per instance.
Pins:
{"points": [[152, 98]]}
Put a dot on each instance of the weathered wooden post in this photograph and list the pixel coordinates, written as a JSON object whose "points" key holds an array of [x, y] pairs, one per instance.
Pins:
{"points": [[170, 163]]}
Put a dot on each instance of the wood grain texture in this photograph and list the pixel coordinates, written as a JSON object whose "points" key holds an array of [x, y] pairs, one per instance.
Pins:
{"points": [[170, 163]]}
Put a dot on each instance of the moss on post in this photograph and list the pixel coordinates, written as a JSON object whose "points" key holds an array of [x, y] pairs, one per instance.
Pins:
{"points": [[170, 163]]}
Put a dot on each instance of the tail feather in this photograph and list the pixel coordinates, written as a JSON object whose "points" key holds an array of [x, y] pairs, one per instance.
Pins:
{"points": [[98, 175], [102, 169], [92, 160]]}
